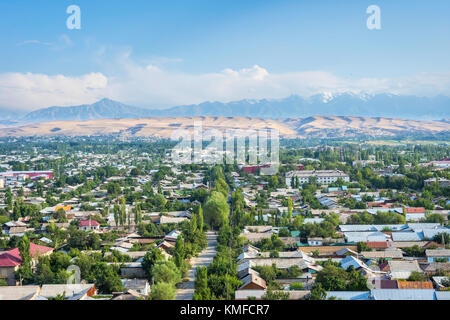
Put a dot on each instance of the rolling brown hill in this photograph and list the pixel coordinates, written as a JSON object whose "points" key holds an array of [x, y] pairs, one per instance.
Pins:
{"points": [[316, 126]]}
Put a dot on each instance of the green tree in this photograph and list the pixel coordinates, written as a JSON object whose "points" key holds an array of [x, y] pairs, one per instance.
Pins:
{"points": [[149, 260], [216, 210], [179, 253], [290, 208], [200, 218], [116, 211], [202, 291], [163, 291], [273, 182], [106, 278], [166, 271], [24, 272], [362, 246], [318, 293], [442, 237], [123, 212], [418, 276], [435, 218], [221, 186]]}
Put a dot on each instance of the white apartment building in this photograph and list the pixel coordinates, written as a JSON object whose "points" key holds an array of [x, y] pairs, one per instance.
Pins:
{"points": [[322, 176]]}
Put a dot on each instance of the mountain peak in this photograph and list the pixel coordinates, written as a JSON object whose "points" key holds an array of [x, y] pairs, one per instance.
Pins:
{"points": [[294, 106]]}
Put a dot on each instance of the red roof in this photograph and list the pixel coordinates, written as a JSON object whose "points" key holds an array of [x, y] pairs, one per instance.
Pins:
{"points": [[415, 284], [378, 244], [375, 203], [12, 257], [9, 260], [89, 223], [415, 210]]}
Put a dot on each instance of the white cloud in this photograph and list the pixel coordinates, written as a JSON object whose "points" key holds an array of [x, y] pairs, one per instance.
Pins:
{"points": [[31, 91], [150, 84], [37, 42], [61, 43]]}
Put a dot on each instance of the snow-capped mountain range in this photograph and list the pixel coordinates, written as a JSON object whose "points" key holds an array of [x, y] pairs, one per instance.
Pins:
{"points": [[327, 104]]}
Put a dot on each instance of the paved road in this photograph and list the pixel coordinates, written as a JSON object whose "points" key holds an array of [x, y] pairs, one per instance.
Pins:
{"points": [[186, 289]]}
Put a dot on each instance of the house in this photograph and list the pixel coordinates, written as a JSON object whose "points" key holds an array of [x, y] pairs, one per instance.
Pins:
{"points": [[433, 267], [345, 252], [321, 176], [379, 245], [19, 293], [438, 255], [438, 281], [130, 270], [258, 294], [387, 254], [407, 236], [315, 241], [253, 282], [403, 294], [431, 233], [443, 183], [402, 269], [172, 236], [167, 219], [128, 295], [372, 227], [139, 285], [165, 245], [366, 237], [88, 225], [249, 294], [415, 284], [245, 269], [348, 295], [414, 214], [14, 228], [380, 283], [389, 294], [351, 261], [11, 260], [77, 291], [313, 220]]}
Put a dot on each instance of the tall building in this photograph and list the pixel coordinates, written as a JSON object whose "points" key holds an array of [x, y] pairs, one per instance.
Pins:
{"points": [[321, 176]]}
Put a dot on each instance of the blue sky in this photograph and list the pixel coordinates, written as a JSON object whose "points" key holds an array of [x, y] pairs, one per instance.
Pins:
{"points": [[182, 52]]}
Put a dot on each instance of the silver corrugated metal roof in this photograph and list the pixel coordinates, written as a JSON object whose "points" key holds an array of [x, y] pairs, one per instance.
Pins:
{"points": [[403, 294], [349, 295], [406, 236]]}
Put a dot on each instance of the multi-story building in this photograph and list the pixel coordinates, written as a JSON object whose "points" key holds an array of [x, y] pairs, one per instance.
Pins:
{"points": [[321, 176], [28, 174]]}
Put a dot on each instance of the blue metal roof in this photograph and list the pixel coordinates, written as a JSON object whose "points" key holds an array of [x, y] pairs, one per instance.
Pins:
{"points": [[351, 261], [431, 233], [407, 236], [365, 236], [349, 295], [403, 294], [443, 295]]}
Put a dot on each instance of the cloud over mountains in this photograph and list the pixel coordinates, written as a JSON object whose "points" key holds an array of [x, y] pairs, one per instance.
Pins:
{"points": [[148, 85]]}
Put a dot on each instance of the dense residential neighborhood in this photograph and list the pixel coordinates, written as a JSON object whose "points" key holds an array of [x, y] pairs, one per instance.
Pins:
{"points": [[115, 219]]}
